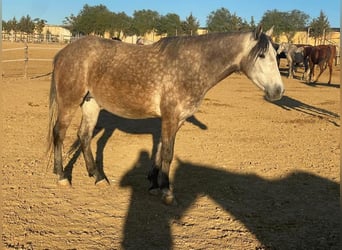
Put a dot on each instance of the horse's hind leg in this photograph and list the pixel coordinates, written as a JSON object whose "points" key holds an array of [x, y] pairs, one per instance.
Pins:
{"points": [[311, 71], [59, 131], [321, 70], [90, 114]]}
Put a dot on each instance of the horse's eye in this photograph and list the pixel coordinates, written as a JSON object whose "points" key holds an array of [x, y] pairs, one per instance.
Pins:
{"points": [[262, 55]]}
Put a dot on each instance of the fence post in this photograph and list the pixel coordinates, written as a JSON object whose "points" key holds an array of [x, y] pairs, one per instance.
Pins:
{"points": [[25, 60]]}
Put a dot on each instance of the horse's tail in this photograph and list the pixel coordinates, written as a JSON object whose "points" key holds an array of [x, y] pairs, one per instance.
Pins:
{"points": [[53, 111]]}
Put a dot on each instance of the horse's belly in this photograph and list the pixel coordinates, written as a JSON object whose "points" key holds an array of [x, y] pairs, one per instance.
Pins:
{"points": [[131, 107]]}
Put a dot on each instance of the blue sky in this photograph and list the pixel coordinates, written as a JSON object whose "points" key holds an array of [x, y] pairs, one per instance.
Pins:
{"points": [[54, 11]]}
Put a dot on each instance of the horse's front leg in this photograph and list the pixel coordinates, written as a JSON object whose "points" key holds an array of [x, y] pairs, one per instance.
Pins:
{"points": [[159, 175], [291, 69], [154, 172]]}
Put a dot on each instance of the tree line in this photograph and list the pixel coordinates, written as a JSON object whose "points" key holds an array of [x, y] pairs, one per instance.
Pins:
{"points": [[26, 24], [99, 19]]}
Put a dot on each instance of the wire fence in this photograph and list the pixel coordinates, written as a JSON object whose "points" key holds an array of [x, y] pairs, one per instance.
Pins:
{"points": [[21, 66], [35, 38], [20, 62]]}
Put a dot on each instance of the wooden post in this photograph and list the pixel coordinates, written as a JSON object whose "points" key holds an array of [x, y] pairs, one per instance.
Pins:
{"points": [[25, 60]]}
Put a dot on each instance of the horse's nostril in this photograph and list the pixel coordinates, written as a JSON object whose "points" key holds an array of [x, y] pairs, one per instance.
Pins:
{"points": [[275, 94], [279, 91]]}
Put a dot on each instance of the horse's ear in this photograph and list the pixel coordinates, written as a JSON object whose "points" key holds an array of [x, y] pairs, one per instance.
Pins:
{"points": [[258, 32], [270, 31]]}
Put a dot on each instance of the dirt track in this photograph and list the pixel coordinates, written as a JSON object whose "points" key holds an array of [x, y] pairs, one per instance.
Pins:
{"points": [[248, 174]]}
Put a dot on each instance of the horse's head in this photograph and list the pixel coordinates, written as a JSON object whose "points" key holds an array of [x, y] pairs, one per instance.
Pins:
{"points": [[282, 48], [261, 65]]}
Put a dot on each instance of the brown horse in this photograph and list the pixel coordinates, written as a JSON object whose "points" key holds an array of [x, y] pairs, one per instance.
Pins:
{"points": [[168, 79], [323, 56]]}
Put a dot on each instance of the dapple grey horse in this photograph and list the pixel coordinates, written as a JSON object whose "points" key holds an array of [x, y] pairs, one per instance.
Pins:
{"points": [[168, 79], [294, 55]]}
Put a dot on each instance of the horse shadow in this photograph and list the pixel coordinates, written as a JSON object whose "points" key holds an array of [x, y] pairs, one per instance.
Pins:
{"points": [[285, 73], [316, 84], [300, 211], [289, 103], [108, 123]]}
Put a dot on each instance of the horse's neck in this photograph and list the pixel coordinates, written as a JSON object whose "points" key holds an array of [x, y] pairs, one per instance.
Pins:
{"points": [[222, 59]]}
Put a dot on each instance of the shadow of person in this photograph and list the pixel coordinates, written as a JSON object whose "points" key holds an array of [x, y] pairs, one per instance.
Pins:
{"points": [[300, 211], [147, 224], [108, 123]]}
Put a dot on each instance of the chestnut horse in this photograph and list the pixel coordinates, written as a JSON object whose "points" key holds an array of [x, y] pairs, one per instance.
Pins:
{"points": [[167, 79], [323, 56]]}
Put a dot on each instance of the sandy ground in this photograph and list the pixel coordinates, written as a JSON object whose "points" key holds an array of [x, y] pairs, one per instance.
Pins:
{"points": [[247, 173]]}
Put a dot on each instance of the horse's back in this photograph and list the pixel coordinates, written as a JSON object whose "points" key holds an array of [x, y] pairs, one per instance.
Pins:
{"points": [[114, 73]]}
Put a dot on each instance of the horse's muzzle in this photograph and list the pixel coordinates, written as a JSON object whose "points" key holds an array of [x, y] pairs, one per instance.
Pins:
{"points": [[275, 93]]}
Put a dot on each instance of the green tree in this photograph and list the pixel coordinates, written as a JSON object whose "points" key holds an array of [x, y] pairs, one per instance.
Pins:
{"points": [[190, 25], [222, 20], [97, 20], [144, 21], [273, 18], [296, 21], [70, 23], [319, 27], [26, 24], [252, 24], [91, 19], [5, 26], [12, 25], [124, 24], [39, 25], [285, 22], [169, 24]]}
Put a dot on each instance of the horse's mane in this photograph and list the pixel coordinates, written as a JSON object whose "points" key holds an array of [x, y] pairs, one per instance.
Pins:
{"points": [[172, 44]]}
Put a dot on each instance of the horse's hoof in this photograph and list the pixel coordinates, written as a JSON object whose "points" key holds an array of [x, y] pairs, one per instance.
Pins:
{"points": [[168, 198], [102, 183], [154, 191], [64, 183]]}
